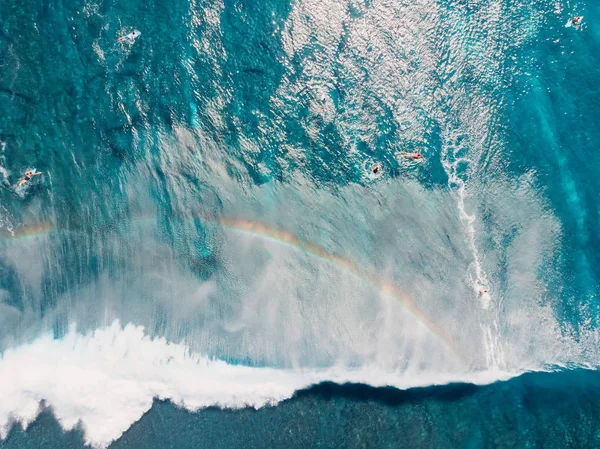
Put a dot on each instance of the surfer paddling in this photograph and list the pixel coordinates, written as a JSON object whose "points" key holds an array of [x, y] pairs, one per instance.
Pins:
{"points": [[575, 22], [28, 175], [131, 37], [413, 156]]}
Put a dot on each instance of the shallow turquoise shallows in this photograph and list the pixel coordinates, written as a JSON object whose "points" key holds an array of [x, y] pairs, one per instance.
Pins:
{"points": [[299, 224]]}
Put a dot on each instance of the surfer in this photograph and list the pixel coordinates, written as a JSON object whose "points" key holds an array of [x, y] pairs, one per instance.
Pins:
{"points": [[414, 156], [28, 175], [130, 37], [376, 169]]}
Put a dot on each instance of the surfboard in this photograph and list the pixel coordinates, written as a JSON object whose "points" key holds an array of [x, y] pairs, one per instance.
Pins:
{"points": [[131, 37]]}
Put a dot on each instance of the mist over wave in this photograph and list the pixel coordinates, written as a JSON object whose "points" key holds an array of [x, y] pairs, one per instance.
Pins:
{"points": [[276, 315]]}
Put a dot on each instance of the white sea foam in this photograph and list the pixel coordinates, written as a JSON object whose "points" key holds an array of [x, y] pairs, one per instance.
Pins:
{"points": [[4, 173], [106, 380]]}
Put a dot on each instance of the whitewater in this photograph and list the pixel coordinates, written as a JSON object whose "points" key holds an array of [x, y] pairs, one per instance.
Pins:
{"points": [[106, 380]]}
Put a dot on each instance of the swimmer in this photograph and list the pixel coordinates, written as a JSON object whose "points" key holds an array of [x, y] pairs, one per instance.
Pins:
{"points": [[414, 156], [576, 20], [482, 291], [28, 175], [376, 169]]}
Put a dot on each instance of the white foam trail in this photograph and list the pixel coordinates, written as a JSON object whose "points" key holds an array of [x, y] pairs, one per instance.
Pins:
{"points": [[4, 173], [468, 219], [107, 380], [5, 224], [493, 346]]}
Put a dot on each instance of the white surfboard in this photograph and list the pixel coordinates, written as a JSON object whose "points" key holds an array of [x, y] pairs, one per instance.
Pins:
{"points": [[570, 23], [131, 37]]}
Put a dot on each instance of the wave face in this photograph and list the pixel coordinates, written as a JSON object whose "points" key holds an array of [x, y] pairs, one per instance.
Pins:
{"points": [[208, 227]]}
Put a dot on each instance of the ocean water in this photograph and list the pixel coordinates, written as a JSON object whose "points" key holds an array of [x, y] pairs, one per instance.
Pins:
{"points": [[208, 260]]}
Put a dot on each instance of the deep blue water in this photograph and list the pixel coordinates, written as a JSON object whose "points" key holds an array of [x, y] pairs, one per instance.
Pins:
{"points": [[212, 182]]}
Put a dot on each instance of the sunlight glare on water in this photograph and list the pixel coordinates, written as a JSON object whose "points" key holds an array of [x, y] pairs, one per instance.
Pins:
{"points": [[208, 207]]}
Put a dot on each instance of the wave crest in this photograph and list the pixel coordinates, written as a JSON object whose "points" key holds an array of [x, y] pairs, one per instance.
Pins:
{"points": [[106, 380]]}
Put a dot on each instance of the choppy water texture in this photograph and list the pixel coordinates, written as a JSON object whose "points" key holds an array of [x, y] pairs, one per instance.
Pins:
{"points": [[208, 229]]}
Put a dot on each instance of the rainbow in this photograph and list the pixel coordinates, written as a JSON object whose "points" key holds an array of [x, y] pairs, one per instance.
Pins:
{"points": [[27, 231], [258, 229]]}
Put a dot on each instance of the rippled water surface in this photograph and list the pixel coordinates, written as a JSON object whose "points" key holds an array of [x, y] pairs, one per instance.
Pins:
{"points": [[208, 229]]}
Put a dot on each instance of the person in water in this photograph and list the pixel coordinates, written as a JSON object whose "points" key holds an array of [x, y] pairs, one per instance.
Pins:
{"points": [[414, 156], [129, 37], [376, 169], [576, 20], [28, 175]]}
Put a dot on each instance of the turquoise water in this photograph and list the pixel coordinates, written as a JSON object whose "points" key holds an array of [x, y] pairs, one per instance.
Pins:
{"points": [[207, 230]]}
